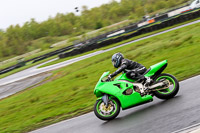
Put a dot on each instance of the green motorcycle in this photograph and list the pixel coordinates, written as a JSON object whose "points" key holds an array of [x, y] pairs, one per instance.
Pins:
{"points": [[126, 93]]}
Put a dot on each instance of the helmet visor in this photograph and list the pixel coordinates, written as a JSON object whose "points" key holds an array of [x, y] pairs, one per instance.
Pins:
{"points": [[113, 62]]}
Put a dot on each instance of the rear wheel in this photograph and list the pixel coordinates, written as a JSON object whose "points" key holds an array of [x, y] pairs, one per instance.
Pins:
{"points": [[168, 91], [108, 113]]}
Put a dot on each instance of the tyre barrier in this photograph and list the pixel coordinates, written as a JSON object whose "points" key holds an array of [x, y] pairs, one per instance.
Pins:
{"points": [[8, 69], [36, 59], [164, 24], [52, 53], [162, 17], [93, 41]]}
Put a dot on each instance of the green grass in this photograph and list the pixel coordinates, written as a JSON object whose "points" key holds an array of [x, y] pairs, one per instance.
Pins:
{"points": [[70, 92]]}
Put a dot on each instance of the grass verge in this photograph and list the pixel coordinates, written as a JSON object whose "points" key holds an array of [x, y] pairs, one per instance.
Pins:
{"points": [[70, 92]]}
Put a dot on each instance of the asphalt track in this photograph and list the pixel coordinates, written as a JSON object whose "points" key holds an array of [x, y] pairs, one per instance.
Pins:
{"points": [[12, 88], [159, 116]]}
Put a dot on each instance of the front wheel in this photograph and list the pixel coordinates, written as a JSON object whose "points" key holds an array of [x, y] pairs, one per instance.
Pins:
{"points": [[108, 113], [170, 90]]}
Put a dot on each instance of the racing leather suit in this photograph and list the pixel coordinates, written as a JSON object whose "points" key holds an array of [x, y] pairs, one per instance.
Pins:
{"points": [[132, 69]]}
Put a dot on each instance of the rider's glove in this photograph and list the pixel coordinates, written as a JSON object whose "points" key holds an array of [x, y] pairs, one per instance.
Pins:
{"points": [[109, 78]]}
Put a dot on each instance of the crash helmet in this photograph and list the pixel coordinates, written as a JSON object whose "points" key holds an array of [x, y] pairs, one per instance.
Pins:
{"points": [[117, 59]]}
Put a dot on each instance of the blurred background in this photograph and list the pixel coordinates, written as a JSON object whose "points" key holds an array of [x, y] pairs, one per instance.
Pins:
{"points": [[39, 33]]}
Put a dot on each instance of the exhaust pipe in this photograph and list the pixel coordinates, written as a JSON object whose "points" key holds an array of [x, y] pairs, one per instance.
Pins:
{"points": [[165, 84], [156, 85]]}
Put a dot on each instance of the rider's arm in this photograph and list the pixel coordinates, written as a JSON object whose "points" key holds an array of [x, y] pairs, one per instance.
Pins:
{"points": [[119, 70]]}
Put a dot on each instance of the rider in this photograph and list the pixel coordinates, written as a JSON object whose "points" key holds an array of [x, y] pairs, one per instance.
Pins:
{"points": [[132, 69]]}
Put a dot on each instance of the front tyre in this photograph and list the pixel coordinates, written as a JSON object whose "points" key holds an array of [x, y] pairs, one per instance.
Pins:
{"points": [[108, 113], [170, 90]]}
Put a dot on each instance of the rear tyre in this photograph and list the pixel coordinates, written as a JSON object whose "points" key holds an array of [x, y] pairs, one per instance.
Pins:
{"points": [[171, 90], [108, 113]]}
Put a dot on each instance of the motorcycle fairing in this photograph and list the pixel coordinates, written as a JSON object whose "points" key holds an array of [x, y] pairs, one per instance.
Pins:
{"points": [[112, 89]]}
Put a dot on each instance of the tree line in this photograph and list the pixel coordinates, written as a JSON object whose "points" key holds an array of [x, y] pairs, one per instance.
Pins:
{"points": [[16, 39]]}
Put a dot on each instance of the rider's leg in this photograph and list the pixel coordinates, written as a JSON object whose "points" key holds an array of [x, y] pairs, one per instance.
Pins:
{"points": [[140, 73], [131, 74], [137, 74]]}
